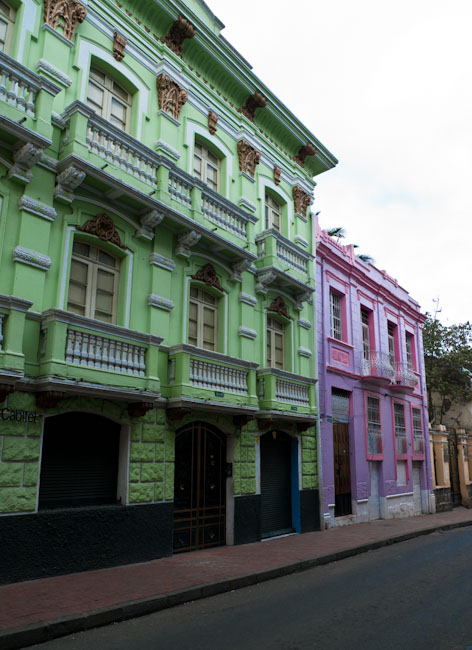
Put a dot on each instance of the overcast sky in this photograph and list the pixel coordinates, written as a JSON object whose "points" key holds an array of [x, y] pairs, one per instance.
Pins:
{"points": [[387, 88]]}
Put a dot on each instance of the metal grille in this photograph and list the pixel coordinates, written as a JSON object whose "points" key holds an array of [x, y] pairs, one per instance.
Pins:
{"points": [[374, 428], [335, 311]]}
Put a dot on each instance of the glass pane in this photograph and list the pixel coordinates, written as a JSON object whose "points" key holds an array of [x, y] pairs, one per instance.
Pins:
{"points": [[3, 33], [77, 295], [103, 316], [121, 92], [213, 159], [104, 302], [104, 258], [105, 281], [95, 97], [78, 272], [208, 317], [194, 292], [197, 166], [118, 113], [97, 74], [4, 9], [208, 298], [81, 249]]}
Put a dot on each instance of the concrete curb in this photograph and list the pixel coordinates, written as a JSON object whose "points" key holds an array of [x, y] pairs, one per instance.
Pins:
{"points": [[28, 635]]}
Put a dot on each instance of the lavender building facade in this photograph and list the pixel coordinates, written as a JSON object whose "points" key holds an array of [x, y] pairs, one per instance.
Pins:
{"points": [[375, 453]]}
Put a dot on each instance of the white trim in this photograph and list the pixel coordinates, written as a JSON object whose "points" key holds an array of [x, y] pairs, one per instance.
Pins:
{"points": [[86, 50], [403, 494], [264, 183], [28, 23], [362, 500], [186, 304], [108, 208]]}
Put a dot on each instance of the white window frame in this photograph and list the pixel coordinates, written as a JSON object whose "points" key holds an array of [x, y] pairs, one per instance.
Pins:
{"points": [[272, 331], [374, 426], [107, 87], [336, 315], [93, 267], [204, 156], [365, 334], [417, 428], [9, 17], [199, 301], [273, 213], [399, 421]]}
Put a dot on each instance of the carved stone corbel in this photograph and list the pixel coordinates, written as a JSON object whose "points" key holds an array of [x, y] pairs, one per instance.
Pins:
{"points": [[278, 306], [252, 103], [301, 199], [68, 181], [66, 14], [308, 150], [119, 46], [277, 174], [149, 221], [265, 279], [185, 241], [180, 30], [5, 390], [212, 120], [249, 158], [207, 274], [24, 158], [238, 269], [240, 421], [49, 399], [301, 298], [102, 226], [138, 409], [171, 96], [176, 413]]}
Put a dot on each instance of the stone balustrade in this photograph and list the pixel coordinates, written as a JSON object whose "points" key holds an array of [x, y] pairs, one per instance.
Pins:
{"points": [[218, 377], [105, 353], [222, 215], [180, 188], [287, 391]]}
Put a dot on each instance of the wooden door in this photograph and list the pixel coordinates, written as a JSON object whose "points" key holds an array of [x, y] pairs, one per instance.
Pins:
{"points": [[342, 469]]}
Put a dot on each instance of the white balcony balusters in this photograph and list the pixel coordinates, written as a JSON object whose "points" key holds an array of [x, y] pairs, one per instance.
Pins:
{"points": [[179, 189], [377, 364], [215, 377], [105, 353], [291, 257], [2, 317], [220, 214], [287, 391]]}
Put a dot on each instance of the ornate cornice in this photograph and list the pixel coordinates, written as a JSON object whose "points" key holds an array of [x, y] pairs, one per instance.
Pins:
{"points": [[66, 14], [247, 332], [278, 306], [277, 174], [31, 258], [119, 46], [159, 302], [238, 269], [304, 352], [33, 206], [155, 259], [149, 221], [212, 120], [304, 323], [52, 71], [171, 96], [252, 103], [303, 152], [67, 181], [24, 158], [102, 226], [248, 299], [185, 241], [207, 274], [249, 157], [180, 30], [302, 200], [264, 279]]}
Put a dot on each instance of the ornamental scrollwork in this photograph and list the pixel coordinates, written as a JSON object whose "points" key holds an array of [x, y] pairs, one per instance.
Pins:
{"points": [[212, 120], [303, 152], [171, 96], [70, 12], [180, 30], [207, 274], [102, 226], [301, 199], [119, 46], [278, 306], [277, 174], [252, 103], [249, 157]]}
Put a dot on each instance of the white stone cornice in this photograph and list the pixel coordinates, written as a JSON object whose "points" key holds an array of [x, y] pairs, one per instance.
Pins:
{"points": [[33, 206], [304, 352], [248, 299], [304, 323], [159, 302], [163, 262], [55, 73], [247, 332], [31, 258]]}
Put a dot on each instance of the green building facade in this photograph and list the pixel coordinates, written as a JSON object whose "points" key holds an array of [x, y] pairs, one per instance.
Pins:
{"points": [[157, 347]]}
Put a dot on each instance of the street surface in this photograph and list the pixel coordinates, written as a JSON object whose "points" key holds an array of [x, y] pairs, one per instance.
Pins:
{"points": [[416, 595]]}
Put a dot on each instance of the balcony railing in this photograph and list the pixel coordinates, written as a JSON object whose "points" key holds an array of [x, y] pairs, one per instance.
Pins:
{"points": [[222, 215], [106, 353], [273, 248], [179, 189], [377, 365], [285, 391], [218, 377], [291, 256], [405, 375]]}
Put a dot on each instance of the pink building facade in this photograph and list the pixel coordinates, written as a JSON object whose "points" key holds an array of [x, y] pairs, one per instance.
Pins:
{"points": [[375, 460]]}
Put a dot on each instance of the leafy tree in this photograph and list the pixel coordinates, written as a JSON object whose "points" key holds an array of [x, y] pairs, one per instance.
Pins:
{"points": [[448, 363]]}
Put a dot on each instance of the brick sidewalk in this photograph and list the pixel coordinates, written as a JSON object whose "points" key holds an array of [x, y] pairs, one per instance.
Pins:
{"points": [[33, 611]]}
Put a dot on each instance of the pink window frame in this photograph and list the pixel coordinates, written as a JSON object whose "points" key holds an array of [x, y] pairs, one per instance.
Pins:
{"points": [[400, 456], [414, 357], [366, 427], [415, 456], [370, 324], [344, 328]]}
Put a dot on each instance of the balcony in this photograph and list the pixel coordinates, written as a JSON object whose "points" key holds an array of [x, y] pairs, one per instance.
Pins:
{"points": [[275, 250], [12, 324], [79, 353], [376, 367], [405, 380], [198, 376], [279, 390]]}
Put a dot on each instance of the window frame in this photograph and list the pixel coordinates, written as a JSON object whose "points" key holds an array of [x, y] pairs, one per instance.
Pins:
{"points": [[410, 351], [205, 162], [342, 310], [108, 95], [414, 454], [370, 455], [91, 287], [10, 22], [270, 316], [400, 456], [201, 305], [270, 210]]}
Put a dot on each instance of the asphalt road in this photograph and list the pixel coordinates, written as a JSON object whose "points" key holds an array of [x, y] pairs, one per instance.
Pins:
{"points": [[416, 595]]}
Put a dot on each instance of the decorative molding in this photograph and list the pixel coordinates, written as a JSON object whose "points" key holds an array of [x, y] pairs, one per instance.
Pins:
{"points": [[28, 204], [212, 120], [245, 203], [31, 258], [139, 409], [207, 274], [171, 96], [303, 152], [163, 262], [149, 221], [331, 276], [24, 158], [248, 299], [249, 157], [304, 323], [238, 269], [70, 11], [57, 120], [301, 240], [252, 103], [119, 46], [277, 174], [361, 294], [179, 31], [278, 306], [67, 181], [301, 199], [163, 148], [304, 352], [49, 399], [305, 296], [52, 71], [247, 332], [102, 226], [159, 302], [264, 279], [185, 241], [47, 161]]}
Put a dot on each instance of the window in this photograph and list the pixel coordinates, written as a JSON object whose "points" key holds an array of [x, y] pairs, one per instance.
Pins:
{"points": [[275, 343], [109, 99], [410, 351], [93, 283], [402, 476], [203, 319], [206, 166], [273, 213], [418, 438], [391, 333], [365, 334], [336, 316], [7, 22], [401, 444], [374, 427]]}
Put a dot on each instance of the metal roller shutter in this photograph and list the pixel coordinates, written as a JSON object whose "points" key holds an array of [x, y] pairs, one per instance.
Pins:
{"points": [[276, 489]]}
